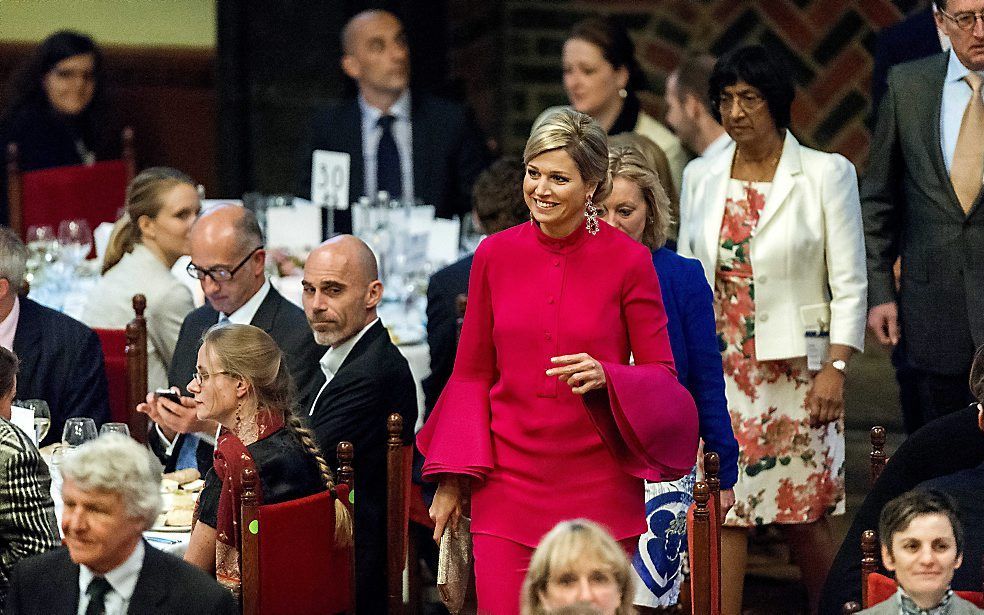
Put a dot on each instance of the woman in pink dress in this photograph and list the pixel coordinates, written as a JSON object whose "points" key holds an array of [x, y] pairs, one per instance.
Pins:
{"points": [[544, 418]]}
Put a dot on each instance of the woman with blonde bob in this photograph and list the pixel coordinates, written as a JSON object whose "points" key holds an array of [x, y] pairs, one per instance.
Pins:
{"points": [[578, 562], [544, 415], [161, 205], [242, 383]]}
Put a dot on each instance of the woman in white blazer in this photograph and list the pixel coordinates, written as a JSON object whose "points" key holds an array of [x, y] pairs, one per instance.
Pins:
{"points": [[161, 205], [777, 228]]}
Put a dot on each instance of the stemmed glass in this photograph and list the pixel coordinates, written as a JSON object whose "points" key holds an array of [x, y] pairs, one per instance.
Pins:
{"points": [[75, 239], [78, 430], [120, 428], [42, 416]]}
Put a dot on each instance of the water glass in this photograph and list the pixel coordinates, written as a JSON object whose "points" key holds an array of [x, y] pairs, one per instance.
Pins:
{"points": [[42, 416], [75, 239], [120, 428], [78, 430]]}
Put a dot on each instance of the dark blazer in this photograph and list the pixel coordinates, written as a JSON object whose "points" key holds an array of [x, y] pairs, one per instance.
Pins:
{"points": [[910, 210], [48, 584], [948, 445], [448, 153], [61, 362], [373, 382], [689, 308], [910, 39], [442, 291], [286, 324]]}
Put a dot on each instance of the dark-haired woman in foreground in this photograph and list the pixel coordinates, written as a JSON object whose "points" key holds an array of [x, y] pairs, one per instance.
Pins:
{"points": [[777, 228]]}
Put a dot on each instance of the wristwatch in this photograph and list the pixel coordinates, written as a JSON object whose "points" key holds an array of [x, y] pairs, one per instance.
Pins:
{"points": [[840, 365]]}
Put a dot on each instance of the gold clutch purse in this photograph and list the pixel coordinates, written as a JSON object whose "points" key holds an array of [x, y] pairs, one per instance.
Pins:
{"points": [[454, 564]]}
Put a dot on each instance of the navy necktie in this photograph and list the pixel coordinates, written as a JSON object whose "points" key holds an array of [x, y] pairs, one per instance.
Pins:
{"points": [[388, 174], [97, 590]]}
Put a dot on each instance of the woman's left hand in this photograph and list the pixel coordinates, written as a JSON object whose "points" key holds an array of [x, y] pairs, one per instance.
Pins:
{"points": [[825, 401], [580, 371]]}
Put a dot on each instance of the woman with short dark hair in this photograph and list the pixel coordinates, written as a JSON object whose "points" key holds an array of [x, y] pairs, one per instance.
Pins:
{"points": [[777, 228]]}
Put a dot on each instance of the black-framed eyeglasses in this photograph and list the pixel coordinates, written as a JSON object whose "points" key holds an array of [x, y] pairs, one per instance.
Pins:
{"points": [[219, 273], [965, 20], [201, 377]]}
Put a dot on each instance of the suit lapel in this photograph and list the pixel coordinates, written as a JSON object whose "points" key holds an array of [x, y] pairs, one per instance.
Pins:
{"points": [[27, 341], [931, 132], [66, 601], [266, 314], [783, 180], [149, 591], [351, 141]]}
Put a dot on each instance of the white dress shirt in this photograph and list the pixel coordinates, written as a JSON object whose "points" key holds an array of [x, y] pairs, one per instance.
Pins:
{"points": [[332, 360], [8, 328], [401, 134], [956, 95], [123, 580]]}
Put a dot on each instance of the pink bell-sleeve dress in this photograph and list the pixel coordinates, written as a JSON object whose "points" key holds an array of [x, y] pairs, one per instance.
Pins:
{"points": [[537, 452]]}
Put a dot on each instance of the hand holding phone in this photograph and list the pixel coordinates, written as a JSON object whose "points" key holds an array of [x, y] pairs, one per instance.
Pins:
{"points": [[167, 394]]}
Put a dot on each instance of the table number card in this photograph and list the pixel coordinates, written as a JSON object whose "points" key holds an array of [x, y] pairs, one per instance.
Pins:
{"points": [[330, 179]]}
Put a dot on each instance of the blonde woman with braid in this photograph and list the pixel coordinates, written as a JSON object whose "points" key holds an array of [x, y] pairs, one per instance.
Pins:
{"points": [[242, 383], [161, 205]]}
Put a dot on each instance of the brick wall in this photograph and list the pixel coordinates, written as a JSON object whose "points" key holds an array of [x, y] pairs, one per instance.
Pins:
{"points": [[828, 44]]}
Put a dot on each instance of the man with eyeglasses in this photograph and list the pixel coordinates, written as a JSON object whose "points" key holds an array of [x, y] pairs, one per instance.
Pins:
{"points": [[921, 203], [228, 259]]}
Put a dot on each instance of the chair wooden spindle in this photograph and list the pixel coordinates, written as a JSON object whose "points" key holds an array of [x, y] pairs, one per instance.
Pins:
{"points": [[712, 469], [869, 562], [878, 457], [15, 212], [700, 559], [460, 304], [136, 366], [396, 521], [129, 157], [249, 530], [344, 452]]}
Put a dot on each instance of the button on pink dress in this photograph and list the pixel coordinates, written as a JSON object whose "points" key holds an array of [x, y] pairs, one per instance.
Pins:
{"points": [[539, 453]]}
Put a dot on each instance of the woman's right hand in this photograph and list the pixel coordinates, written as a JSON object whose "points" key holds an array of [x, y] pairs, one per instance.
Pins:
{"points": [[447, 504]]}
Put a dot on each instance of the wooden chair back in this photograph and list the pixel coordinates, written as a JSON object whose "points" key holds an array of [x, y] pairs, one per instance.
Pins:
{"points": [[93, 192], [877, 458], [125, 356], [704, 538], [295, 566], [460, 304]]}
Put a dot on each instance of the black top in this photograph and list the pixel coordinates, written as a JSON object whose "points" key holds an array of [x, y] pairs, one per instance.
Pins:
{"points": [[287, 472]]}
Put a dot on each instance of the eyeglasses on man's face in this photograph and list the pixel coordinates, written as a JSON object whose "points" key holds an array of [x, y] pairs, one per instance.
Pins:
{"points": [[200, 376], [219, 273], [965, 20]]}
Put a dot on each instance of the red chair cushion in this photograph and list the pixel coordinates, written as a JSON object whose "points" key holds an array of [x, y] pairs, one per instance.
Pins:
{"points": [[881, 588], [114, 353], [301, 571], [92, 192]]}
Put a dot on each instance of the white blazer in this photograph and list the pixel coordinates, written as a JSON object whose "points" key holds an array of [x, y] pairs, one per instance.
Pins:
{"points": [[807, 250]]}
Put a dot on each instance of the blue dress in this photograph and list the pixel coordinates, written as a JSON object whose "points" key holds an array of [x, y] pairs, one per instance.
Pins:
{"points": [[659, 561]]}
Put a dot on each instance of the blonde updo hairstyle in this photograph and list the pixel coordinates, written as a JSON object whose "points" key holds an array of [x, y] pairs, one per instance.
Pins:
{"points": [[561, 548], [144, 197], [583, 140], [250, 354], [629, 163]]}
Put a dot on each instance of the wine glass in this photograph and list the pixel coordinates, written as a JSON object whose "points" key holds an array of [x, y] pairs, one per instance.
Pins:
{"points": [[75, 239], [120, 428], [78, 430], [42, 416]]}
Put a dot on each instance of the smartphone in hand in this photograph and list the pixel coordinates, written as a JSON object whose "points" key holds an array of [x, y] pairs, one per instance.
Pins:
{"points": [[167, 394]]}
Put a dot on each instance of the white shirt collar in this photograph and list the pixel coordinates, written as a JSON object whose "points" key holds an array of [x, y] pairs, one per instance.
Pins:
{"points": [[717, 145], [332, 360], [244, 315], [955, 70], [8, 328], [123, 578], [400, 109]]}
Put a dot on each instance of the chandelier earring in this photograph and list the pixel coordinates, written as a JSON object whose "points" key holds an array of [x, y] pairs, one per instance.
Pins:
{"points": [[590, 216]]}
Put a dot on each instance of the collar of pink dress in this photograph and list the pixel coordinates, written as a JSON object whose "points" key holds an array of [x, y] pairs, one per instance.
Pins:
{"points": [[564, 245]]}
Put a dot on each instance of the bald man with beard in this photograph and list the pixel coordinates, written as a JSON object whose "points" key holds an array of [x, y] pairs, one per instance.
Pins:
{"points": [[365, 379]]}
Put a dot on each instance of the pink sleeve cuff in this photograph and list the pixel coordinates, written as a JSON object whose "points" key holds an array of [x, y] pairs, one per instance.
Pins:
{"points": [[457, 437]]}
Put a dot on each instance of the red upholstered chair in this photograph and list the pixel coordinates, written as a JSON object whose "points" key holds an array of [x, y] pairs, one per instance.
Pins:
{"points": [[93, 192], [404, 505], [125, 356], [291, 563]]}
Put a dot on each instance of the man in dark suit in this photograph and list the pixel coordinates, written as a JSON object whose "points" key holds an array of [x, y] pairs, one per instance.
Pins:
{"points": [[365, 379], [61, 360], [497, 204], [238, 293], [111, 493], [414, 147], [921, 202]]}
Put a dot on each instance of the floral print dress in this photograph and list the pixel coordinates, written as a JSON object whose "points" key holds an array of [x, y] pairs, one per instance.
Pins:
{"points": [[789, 472]]}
